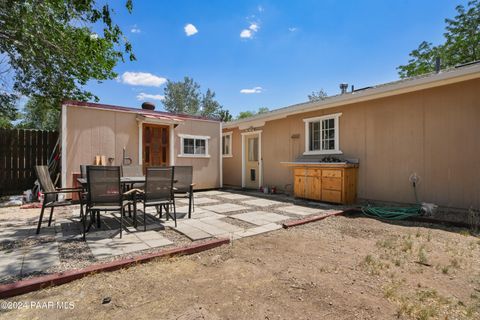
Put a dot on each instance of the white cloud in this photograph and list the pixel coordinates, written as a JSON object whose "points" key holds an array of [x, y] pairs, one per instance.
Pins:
{"points": [[254, 27], [250, 32], [292, 29], [246, 33], [144, 96], [190, 29], [135, 29], [142, 79], [253, 90], [260, 9], [93, 36]]}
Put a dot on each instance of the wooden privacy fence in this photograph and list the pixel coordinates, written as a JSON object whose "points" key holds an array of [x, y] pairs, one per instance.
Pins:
{"points": [[20, 151]]}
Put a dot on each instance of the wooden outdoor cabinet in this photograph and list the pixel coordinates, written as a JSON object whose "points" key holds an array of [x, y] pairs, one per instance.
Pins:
{"points": [[329, 182]]}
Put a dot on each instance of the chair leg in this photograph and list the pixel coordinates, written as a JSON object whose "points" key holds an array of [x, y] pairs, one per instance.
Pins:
{"points": [[166, 211], [99, 225], [121, 221], [83, 217], [144, 218], [174, 214], [193, 201], [41, 218], [50, 218], [129, 210], [134, 214], [190, 199]]}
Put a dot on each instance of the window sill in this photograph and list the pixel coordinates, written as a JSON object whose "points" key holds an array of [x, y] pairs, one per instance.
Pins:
{"points": [[193, 156], [227, 156], [322, 152]]}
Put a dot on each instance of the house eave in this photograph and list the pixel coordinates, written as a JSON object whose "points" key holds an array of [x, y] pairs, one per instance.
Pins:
{"points": [[381, 91]]}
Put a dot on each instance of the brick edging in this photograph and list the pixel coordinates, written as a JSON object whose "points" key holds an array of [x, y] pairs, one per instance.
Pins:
{"points": [[59, 278], [294, 223]]}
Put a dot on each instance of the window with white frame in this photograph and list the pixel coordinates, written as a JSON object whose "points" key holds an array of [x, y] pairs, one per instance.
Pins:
{"points": [[227, 144], [193, 146], [321, 134]]}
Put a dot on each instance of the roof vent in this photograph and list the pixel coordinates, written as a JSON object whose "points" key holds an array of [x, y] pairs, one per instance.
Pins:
{"points": [[148, 106], [344, 87]]}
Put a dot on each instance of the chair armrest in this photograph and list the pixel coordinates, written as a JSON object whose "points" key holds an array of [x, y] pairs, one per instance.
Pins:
{"points": [[133, 191]]}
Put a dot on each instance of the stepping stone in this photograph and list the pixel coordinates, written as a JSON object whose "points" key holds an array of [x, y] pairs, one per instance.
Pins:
{"points": [[262, 202], [260, 217], [191, 232], [227, 227], [225, 207], [198, 201], [11, 263], [235, 196], [211, 229], [17, 233], [210, 193], [300, 210], [256, 230], [40, 258], [153, 239]]}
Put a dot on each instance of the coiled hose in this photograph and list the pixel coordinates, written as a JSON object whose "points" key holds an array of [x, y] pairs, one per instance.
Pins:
{"points": [[394, 213]]}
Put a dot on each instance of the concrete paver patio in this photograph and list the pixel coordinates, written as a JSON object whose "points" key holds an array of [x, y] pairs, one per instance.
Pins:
{"points": [[216, 213]]}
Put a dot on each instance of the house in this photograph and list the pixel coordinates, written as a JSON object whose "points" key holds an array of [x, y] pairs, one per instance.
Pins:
{"points": [[121, 135], [424, 129]]}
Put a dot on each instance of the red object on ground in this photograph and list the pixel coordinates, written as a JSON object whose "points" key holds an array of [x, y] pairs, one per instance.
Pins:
{"points": [[294, 223], [31, 205], [55, 279]]}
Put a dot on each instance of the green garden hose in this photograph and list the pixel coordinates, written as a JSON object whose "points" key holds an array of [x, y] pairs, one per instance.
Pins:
{"points": [[394, 213]]}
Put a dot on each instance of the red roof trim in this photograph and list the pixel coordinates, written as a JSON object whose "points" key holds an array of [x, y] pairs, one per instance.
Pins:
{"points": [[135, 110]]}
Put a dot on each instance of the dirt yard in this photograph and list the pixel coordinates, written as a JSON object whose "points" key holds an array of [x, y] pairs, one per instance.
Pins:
{"points": [[338, 268]]}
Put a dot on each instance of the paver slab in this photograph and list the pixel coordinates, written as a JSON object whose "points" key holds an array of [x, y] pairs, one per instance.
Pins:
{"points": [[299, 210], [206, 227], [260, 217], [210, 193], [225, 207], [262, 202], [227, 227], [198, 201], [40, 257], [191, 232], [235, 196]]}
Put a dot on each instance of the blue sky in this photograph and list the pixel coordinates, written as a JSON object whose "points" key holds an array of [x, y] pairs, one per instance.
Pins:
{"points": [[268, 53]]}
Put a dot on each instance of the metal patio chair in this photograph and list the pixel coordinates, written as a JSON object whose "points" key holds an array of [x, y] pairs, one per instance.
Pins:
{"points": [[104, 193], [184, 186], [51, 193], [158, 192]]}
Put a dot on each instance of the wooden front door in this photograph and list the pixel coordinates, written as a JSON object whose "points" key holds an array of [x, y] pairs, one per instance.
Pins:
{"points": [[252, 162], [155, 145]]}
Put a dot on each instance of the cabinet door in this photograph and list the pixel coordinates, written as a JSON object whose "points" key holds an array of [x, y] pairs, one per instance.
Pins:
{"points": [[299, 186], [331, 196], [312, 188]]}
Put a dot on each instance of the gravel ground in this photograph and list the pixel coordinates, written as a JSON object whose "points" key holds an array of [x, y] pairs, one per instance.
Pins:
{"points": [[337, 268], [76, 254]]}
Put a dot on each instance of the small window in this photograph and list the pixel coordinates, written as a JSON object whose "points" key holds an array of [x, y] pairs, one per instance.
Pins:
{"points": [[321, 135], [227, 144], [253, 149], [194, 146]]}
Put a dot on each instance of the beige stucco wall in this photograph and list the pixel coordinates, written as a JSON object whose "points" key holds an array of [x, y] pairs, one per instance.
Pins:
{"points": [[434, 133], [206, 171], [91, 132], [232, 166]]}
